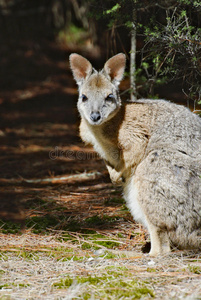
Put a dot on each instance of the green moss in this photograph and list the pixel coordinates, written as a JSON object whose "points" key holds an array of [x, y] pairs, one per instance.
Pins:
{"points": [[109, 255], [151, 270], [40, 224], [65, 237], [107, 244], [68, 281], [124, 208], [194, 269], [86, 296], [36, 203], [132, 289], [72, 258], [62, 250], [10, 285], [111, 285], [5, 297], [115, 269], [88, 231], [28, 255], [22, 285], [117, 190], [9, 227], [86, 246], [95, 220], [114, 201], [91, 240], [73, 226], [2, 286], [64, 283], [91, 279]]}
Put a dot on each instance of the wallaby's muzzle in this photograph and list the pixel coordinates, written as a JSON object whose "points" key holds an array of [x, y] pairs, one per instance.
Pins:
{"points": [[95, 116]]}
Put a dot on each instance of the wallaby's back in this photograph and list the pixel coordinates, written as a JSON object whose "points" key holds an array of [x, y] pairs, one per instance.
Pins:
{"points": [[168, 178]]}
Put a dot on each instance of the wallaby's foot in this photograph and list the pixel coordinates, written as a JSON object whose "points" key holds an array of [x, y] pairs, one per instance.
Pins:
{"points": [[160, 243]]}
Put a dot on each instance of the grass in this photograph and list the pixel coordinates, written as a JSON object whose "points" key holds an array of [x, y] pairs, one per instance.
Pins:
{"points": [[111, 285], [68, 269], [96, 257]]}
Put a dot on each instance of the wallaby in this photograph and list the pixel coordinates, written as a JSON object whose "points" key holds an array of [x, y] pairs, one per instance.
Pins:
{"points": [[151, 147]]}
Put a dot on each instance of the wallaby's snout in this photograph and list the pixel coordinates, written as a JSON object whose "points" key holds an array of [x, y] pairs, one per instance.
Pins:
{"points": [[98, 98], [95, 116]]}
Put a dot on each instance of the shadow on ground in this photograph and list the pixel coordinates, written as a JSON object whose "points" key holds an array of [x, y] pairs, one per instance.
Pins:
{"points": [[47, 176]]}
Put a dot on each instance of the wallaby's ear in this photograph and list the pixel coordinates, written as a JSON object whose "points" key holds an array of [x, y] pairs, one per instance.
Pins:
{"points": [[80, 67], [115, 67]]}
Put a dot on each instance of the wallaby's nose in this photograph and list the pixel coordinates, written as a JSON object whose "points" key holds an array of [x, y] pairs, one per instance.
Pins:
{"points": [[95, 116]]}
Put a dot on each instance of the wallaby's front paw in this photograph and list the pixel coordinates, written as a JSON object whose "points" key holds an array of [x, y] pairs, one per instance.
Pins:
{"points": [[119, 181], [116, 177]]}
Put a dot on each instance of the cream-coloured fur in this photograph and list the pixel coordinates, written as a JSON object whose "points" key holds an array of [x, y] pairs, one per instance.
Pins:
{"points": [[151, 147]]}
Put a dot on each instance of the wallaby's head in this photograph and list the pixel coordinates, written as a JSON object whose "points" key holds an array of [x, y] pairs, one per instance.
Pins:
{"points": [[98, 98]]}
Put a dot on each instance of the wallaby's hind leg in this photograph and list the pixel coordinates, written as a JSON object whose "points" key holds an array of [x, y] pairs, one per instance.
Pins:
{"points": [[160, 243]]}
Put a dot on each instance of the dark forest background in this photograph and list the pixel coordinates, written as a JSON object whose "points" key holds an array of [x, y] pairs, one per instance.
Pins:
{"points": [[167, 37]]}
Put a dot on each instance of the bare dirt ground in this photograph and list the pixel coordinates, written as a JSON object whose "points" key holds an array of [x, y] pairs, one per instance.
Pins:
{"points": [[65, 230]]}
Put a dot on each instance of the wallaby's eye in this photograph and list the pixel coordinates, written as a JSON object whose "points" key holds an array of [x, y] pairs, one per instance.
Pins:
{"points": [[84, 98], [110, 97]]}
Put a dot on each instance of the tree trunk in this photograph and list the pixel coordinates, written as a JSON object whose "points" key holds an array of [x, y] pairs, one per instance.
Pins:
{"points": [[133, 60]]}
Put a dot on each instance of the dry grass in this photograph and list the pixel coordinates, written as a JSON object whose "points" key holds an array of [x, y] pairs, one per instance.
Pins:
{"points": [[47, 267]]}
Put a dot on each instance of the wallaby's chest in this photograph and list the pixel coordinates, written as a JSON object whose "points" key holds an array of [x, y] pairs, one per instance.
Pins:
{"points": [[105, 147]]}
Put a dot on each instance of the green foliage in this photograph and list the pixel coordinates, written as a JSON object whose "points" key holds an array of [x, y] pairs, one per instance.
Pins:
{"points": [[113, 9], [72, 35], [194, 3], [171, 32], [175, 50]]}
